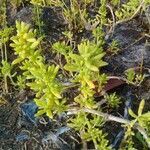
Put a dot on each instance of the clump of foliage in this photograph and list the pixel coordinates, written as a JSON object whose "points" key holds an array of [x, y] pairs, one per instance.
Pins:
{"points": [[130, 9], [37, 11], [113, 47], [133, 77], [113, 99], [90, 129], [4, 38], [75, 14], [40, 77], [143, 119], [5, 33]]}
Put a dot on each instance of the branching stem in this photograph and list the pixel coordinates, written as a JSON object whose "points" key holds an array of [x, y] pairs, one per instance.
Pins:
{"points": [[109, 117]]}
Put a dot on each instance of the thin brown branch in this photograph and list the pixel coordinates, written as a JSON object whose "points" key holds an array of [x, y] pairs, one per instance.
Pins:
{"points": [[113, 19], [106, 116]]}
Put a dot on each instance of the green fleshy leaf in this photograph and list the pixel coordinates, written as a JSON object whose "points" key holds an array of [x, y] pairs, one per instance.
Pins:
{"points": [[132, 113], [141, 106]]}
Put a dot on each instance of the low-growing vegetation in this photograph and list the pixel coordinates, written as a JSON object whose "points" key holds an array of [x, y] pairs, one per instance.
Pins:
{"points": [[74, 79]]}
